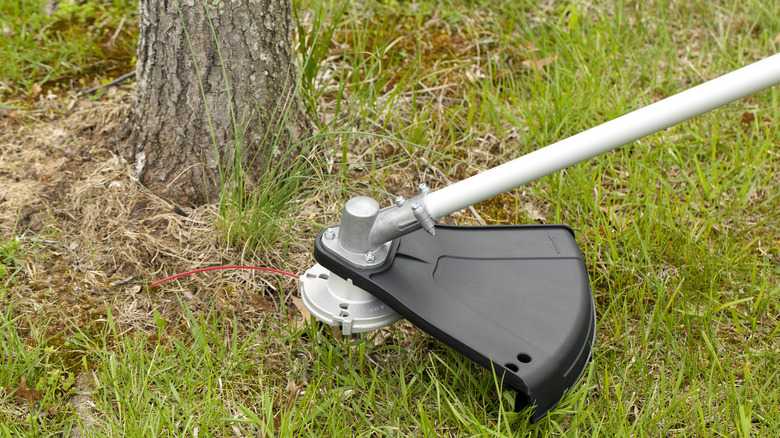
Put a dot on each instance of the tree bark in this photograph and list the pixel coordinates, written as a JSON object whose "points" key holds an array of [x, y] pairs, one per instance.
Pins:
{"points": [[216, 78]]}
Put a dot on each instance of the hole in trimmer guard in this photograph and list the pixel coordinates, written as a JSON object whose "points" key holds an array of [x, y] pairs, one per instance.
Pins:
{"points": [[511, 298]]}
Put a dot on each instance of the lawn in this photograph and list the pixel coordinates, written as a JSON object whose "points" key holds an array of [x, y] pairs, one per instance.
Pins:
{"points": [[679, 230]]}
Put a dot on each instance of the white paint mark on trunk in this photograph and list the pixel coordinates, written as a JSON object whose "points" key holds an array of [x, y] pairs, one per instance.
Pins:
{"points": [[140, 163]]}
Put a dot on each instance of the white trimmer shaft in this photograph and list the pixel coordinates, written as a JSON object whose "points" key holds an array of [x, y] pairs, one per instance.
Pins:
{"points": [[605, 137]]}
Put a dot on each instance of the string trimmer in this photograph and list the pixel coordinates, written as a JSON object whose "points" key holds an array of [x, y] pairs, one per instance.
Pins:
{"points": [[514, 299]]}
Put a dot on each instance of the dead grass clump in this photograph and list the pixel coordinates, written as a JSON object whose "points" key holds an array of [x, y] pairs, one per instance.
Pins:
{"points": [[99, 237]]}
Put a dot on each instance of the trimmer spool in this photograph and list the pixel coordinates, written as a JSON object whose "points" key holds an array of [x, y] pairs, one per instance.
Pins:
{"points": [[338, 302]]}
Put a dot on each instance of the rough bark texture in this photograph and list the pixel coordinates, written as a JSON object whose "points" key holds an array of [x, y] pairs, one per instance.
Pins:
{"points": [[181, 130]]}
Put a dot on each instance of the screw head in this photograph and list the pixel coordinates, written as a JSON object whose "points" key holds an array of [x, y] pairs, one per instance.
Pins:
{"points": [[400, 201], [423, 188], [330, 234], [369, 257], [416, 207]]}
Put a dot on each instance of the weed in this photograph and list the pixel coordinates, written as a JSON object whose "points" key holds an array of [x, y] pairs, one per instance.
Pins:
{"points": [[10, 259]]}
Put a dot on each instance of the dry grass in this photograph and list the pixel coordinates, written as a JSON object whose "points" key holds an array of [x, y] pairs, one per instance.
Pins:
{"points": [[100, 238]]}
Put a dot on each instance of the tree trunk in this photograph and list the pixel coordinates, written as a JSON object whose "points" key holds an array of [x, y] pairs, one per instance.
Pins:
{"points": [[215, 78]]}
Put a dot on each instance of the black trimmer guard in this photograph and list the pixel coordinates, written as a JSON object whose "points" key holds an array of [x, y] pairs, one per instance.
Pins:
{"points": [[515, 299]]}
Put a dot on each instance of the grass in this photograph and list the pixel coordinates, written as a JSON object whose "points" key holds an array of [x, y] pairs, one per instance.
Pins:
{"points": [[678, 231], [73, 47]]}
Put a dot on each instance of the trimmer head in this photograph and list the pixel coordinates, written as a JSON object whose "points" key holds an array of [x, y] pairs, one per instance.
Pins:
{"points": [[515, 299]]}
